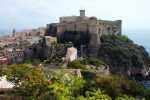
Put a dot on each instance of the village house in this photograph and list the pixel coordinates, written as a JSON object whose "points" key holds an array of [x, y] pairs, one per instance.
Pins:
{"points": [[14, 55], [3, 60]]}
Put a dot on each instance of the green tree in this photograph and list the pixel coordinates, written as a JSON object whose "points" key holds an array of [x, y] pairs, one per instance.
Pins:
{"points": [[94, 95], [76, 64], [125, 97], [65, 85], [29, 82]]}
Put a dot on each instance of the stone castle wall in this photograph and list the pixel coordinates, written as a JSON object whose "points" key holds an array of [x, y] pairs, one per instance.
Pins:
{"points": [[91, 25]]}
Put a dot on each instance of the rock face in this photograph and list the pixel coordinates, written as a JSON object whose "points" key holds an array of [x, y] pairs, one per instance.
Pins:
{"points": [[123, 56], [71, 54]]}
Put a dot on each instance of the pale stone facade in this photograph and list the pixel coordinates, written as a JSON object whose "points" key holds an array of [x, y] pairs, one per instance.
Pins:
{"points": [[50, 40], [88, 24], [30, 35], [71, 54], [94, 28], [14, 55]]}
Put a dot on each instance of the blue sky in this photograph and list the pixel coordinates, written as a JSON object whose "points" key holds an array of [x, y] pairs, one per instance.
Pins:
{"points": [[27, 14], [23, 14]]}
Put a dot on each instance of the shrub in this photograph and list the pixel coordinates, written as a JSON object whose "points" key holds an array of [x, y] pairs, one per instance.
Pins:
{"points": [[121, 54], [92, 61], [76, 64], [123, 38], [125, 97], [115, 85], [94, 95]]}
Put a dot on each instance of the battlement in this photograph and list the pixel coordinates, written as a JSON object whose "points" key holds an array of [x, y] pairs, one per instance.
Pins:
{"points": [[93, 26], [82, 13], [90, 24]]}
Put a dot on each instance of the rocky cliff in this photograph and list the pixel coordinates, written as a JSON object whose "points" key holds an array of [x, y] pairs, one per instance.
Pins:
{"points": [[124, 56]]}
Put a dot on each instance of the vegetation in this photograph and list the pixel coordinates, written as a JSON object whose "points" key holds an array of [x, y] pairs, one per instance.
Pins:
{"points": [[44, 84], [94, 95], [115, 85], [81, 64], [125, 97], [92, 61], [29, 82], [56, 53], [32, 61], [77, 65], [121, 53]]}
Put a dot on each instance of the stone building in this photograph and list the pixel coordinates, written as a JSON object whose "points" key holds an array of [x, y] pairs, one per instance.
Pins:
{"points": [[94, 27], [50, 40], [30, 33], [86, 24], [14, 55], [71, 54], [3, 60]]}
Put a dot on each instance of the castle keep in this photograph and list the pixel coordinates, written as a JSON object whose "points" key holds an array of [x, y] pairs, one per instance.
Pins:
{"points": [[86, 24], [91, 25]]}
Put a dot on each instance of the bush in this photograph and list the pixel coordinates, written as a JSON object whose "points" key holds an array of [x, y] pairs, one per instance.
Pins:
{"points": [[29, 82], [39, 84], [121, 54], [115, 85], [123, 38], [92, 61], [32, 61], [81, 64], [76, 64], [125, 97], [147, 94]]}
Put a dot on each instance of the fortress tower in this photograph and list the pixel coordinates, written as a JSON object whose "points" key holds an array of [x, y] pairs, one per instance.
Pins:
{"points": [[82, 13], [93, 26]]}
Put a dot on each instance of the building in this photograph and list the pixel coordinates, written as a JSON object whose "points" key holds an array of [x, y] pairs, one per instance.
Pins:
{"points": [[93, 27], [3, 61], [86, 24], [29, 34], [71, 54], [50, 40], [14, 55], [8, 41]]}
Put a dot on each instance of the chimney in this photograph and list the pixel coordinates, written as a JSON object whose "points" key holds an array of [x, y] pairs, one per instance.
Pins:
{"points": [[82, 13]]}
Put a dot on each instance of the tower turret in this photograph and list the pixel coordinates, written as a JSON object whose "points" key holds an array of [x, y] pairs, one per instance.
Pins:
{"points": [[82, 13]]}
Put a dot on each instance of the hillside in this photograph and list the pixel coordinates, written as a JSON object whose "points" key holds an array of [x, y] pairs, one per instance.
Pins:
{"points": [[123, 55], [88, 78]]}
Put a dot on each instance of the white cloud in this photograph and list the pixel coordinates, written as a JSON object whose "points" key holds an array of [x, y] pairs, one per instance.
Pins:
{"points": [[33, 13]]}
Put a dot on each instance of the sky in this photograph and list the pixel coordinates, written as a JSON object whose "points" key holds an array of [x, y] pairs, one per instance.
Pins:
{"points": [[27, 14], [24, 14]]}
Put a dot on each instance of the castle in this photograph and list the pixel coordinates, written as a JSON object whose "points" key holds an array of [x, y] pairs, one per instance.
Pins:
{"points": [[91, 25], [86, 24]]}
